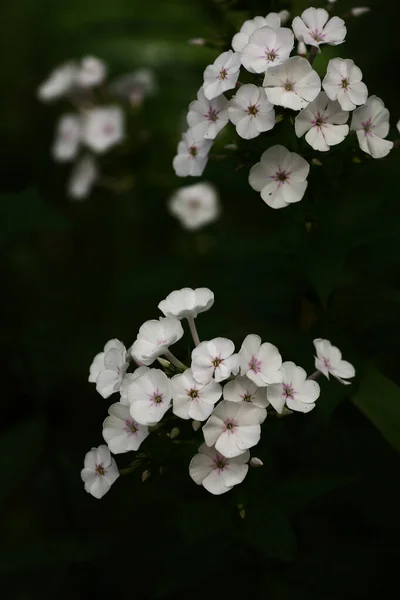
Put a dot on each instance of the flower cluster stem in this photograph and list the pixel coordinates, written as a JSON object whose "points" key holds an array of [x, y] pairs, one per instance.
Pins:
{"points": [[315, 375], [193, 330]]}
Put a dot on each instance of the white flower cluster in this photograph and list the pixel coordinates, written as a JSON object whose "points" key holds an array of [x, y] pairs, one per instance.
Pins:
{"points": [[91, 128], [263, 46], [229, 392]]}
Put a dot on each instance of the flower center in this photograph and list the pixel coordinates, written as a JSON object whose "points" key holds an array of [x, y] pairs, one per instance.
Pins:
{"points": [[194, 204], [217, 361], [319, 120], [100, 470], [288, 391], [345, 83], [130, 426], [220, 462], [288, 86], [230, 425], [281, 176], [367, 127], [193, 394], [193, 151], [223, 74], [247, 397], [255, 365], [212, 115], [326, 362], [271, 55], [318, 36], [108, 129], [253, 110]]}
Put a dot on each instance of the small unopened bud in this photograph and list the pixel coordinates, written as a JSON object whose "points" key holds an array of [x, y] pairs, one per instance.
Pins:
{"points": [[301, 49], [357, 11], [145, 475], [279, 118], [256, 462], [174, 433], [197, 42], [231, 147], [196, 425], [164, 363], [332, 1], [242, 512], [284, 15], [317, 162]]}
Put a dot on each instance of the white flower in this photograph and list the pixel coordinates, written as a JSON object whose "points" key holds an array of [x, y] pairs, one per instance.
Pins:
{"points": [[214, 359], [280, 176], [251, 111], [260, 362], [323, 123], [108, 368], [314, 27], [371, 123], [207, 117], [343, 83], [222, 75], [149, 397], [126, 382], [266, 48], [243, 389], [296, 391], [136, 86], [67, 138], [186, 303], [92, 72], [82, 178], [154, 339], [59, 82], [234, 427], [192, 154], [284, 15], [292, 84], [195, 205], [241, 39], [99, 472], [329, 361], [357, 11], [103, 128], [191, 400], [216, 473], [121, 432]]}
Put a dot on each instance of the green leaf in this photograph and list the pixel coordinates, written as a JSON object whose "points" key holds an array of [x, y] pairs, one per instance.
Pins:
{"points": [[379, 399]]}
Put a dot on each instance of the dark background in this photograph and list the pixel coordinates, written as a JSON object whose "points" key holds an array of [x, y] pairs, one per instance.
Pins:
{"points": [[321, 518]]}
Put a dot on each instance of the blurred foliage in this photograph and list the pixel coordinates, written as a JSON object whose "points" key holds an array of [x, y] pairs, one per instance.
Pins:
{"points": [[320, 517]]}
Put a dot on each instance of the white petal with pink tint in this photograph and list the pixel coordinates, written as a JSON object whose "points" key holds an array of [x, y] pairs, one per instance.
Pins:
{"points": [[216, 473], [121, 432], [329, 361], [298, 393]]}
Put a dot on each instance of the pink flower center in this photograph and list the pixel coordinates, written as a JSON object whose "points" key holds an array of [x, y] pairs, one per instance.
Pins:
{"points": [[193, 394], [271, 55], [212, 115], [317, 35], [220, 462], [131, 426], [319, 120], [100, 470], [254, 364], [162, 342], [366, 126], [287, 390], [108, 129], [156, 398], [327, 363], [194, 204], [281, 176], [230, 425]]}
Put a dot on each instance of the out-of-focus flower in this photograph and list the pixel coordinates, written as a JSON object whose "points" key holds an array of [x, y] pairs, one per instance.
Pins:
{"points": [[59, 82], [222, 75], [251, 111], [68, 137], [195, 205], [103, 128], [192, 154], [280, 176], [371, 124], [293, 84], [136, 86], [216, 473], [99, 472], [84, 175], [314, 28], [323, 122], [92, 72], [206, 118], [357, 11]]}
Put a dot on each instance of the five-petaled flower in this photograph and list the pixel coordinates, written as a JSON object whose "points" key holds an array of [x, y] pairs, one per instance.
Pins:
{"points": [[150, 397], [296, 391], [280, 176], [251, 111], [293, 84], [222, 75], [192, 154], [108, 368], [329, 361], [323, 122], [216, 473], [243, 389], [260, 362], [315, 28], [207, 117], [241, 39], [214, 358], [343, 83], [121, 432], [192, 400], [154, 338], [195, 205], [99, 472], [371, 124], [103, 128], [186, 303], [267, 47]]}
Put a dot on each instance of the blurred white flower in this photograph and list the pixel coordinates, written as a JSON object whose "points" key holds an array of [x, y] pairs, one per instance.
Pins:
{"points": [[192, 154], [241, 39], [191, 400], [243, 389], [136, 86], [195, 205], [154, 339], [103, 128], [266, 48], [296, 391], [323, 123], [314, 27], [222, 75], [329, 361], [251, 111], [126, 382], [214, 358], [99, 472], [280, 176], [206, 118], [371, 124], [343, 83], [68, 137], [216, 473], [149, 397], [59, 82], [357, 11], [92, 72], [121, 432], [83, 177], [186, 302], [284, 15], [293, 84], [108, 368], [234, 427], [260, 362]]}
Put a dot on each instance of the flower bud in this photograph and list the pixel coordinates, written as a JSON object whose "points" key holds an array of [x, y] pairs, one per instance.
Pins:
{"points": [[174, 433], [256, 462], [196, 425], [301, 49], [145, 475], [284, 15], [357, 11], [197, 42]]}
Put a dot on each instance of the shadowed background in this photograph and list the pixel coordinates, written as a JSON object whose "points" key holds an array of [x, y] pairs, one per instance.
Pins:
{"points": [[321, 516]]}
